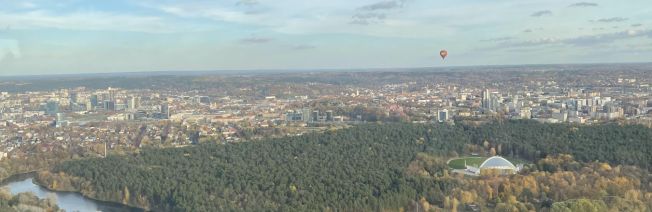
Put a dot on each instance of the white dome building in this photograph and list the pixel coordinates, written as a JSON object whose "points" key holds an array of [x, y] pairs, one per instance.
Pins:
{"points": [[495, 164]]}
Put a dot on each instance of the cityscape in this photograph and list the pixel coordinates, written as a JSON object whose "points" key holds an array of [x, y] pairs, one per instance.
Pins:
{"points": [[44, 121], [127, 119], [333, 106]]}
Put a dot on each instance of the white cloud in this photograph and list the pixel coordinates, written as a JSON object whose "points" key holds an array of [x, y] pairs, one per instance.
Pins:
{"points": [[579, 41], [9, 47], [584, 4], [611, 20], [541, 13], [90, 20], [28, 5]]}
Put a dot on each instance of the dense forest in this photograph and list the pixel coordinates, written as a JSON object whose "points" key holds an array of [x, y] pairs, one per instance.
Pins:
{"points": [[381, 167]]}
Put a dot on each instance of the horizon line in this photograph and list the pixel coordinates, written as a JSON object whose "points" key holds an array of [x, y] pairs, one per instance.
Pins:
{"points": [[296, 70]]}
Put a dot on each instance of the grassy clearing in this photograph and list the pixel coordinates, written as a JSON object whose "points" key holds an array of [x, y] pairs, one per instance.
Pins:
{"points": [[470, 161]]}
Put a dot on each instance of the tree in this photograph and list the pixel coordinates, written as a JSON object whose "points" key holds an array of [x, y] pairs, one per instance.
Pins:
{"points": [[126, 196]]}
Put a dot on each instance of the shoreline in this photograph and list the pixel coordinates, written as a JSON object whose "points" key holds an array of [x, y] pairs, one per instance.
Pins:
{"points": [[34, 176], [17, 176]]}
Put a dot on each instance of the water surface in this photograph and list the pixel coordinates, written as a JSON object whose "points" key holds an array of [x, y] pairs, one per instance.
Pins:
{"points": [[69, 201]]}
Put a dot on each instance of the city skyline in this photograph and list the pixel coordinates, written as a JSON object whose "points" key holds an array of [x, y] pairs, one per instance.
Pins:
{"points": [[69, 37]]}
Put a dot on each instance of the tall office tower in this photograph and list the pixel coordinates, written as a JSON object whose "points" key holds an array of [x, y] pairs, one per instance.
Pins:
{"points": [[305, 114], [60, 121], [133, 103], [315, 116], [442, 115], [89, 106], [112, 93], [165, 110], [329, 115], [486, 99], [72, 96], [52, 107], [109, 105], [93, 100]]}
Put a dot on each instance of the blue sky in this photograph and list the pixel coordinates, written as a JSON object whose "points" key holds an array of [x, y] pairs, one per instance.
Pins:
{"points": [[77, 36]]}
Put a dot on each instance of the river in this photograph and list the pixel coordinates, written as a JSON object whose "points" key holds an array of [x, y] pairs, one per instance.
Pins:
{"points": [[69, 201]]}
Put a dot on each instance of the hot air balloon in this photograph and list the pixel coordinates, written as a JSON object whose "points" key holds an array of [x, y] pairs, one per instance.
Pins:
{"points": [[443, 54]]}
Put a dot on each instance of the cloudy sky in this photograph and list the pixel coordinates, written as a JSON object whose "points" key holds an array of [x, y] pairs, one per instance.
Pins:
{"points": [[77, 36]]}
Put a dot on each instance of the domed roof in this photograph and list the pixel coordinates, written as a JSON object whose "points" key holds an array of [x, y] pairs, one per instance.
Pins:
{"points": [[497, 162]]}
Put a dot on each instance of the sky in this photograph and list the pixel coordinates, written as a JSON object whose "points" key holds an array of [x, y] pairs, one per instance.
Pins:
{"points": [[78, 36]]}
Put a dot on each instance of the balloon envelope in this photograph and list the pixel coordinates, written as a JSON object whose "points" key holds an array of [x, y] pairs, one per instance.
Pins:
{"points": [[443, 54]]}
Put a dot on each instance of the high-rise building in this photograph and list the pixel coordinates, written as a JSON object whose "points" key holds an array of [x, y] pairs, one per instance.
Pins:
{"points": [[305, 114], [112, 94], [61, 120], [94, 101], [442, 115], [73, 97], [109, 105], [329, 115], [486, 99], [133, 103], [315, 116], [89, 106], [52, 107], [165, 110]]}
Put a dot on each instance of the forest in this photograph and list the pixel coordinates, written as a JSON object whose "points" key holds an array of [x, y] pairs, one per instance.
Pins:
{"points": [[375, 167]]}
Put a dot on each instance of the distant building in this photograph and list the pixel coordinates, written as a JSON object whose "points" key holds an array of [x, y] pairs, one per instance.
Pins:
{"points": [[293, 116], [442, 115], [204, 100], [120, 107], [133, 103], [165, 110], [329, 115], [109, 105], [52, 107], [112, 93], [486, 99], [61, 120], [94, 100], [73, 98], [305, 114], [525, 113], [89, 106], [562, 116], [315, 116]]}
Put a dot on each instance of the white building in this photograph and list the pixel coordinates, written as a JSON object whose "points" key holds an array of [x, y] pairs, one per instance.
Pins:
{"points": [[496, 163]]}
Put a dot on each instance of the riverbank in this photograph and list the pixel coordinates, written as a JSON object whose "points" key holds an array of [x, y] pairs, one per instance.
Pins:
{"points": [[16, 177], [69, 200], [63, 183]]}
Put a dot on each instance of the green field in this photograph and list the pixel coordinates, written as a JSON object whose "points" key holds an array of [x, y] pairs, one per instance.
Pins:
{"points": [[471, 161]]}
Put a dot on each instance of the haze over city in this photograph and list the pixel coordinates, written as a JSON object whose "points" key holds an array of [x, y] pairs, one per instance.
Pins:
{"points": [[62, 37]]}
